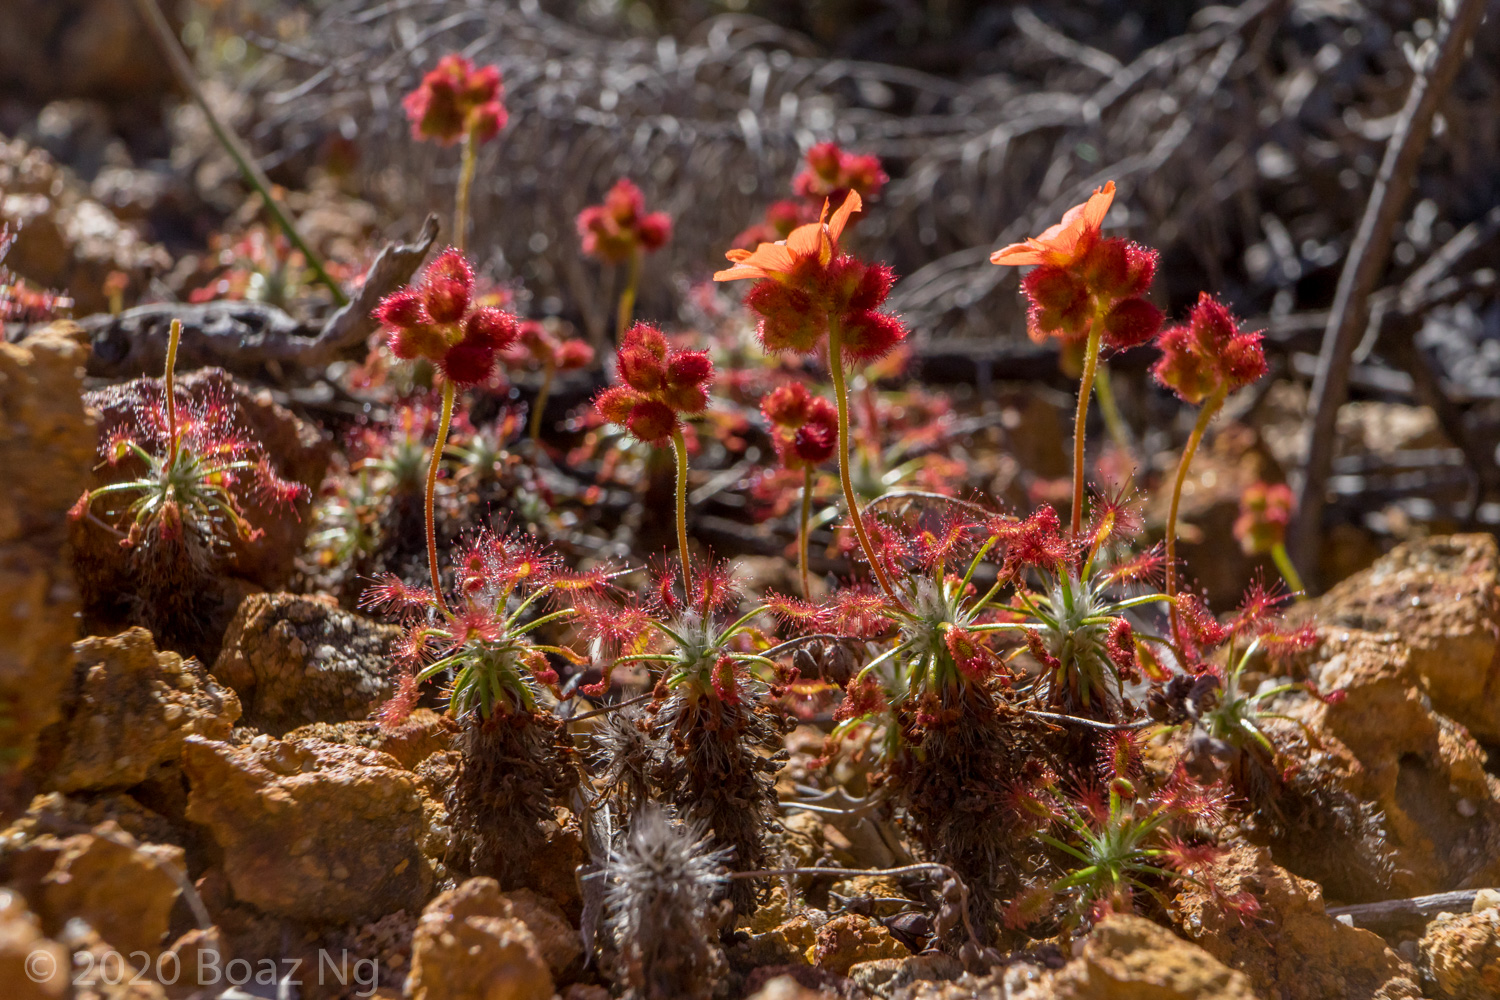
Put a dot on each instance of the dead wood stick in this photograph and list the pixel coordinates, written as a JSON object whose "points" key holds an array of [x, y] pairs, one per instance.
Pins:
{"points": [[1395, 912], [182, 68], [249, 338], [1368, 255]]}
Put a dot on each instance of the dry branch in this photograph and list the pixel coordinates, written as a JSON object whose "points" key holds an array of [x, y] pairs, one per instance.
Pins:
{"points": [[250, 338], [1367, 259]]}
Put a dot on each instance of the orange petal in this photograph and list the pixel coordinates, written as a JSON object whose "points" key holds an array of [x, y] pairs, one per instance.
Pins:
{"points": [[739, 271], [840, 219], [804, 241], [1019, 254], [1097, 207], [767, 260]]}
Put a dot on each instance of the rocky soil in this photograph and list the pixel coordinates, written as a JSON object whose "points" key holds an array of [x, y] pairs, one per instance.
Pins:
{"points": [[250, 809]]}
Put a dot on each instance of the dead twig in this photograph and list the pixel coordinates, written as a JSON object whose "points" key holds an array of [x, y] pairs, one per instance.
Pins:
{"points": [[1391, 913], [182, 68], [1368, 255], [248, 338]]}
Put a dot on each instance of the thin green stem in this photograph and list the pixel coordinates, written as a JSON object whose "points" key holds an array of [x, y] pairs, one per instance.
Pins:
{"points": [[465, 180], [541, 402], [802, 532], [841, 397], [1109, 408], [626, 311], [1288, 571], [169, 386], [679, 445], [432, 471], [182, 68], [1205, 417], [1080, 419]]}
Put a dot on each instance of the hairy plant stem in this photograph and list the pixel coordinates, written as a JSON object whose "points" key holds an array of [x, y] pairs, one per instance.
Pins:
{"points": [[541, 402], [679, 445], [841, 397], [465, 180], [1288, 570], [807, 492], [1205, 416], [626, 311], [168, 378], [1080, 419], [432, 471], [182, 68]]}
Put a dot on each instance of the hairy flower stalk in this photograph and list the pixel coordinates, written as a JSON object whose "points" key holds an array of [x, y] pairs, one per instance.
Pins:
{"points": [[810, 294], [1202, 361], [841, 399], [621, 231], [657, 385], [1085, 290], [457, 102], [804, 429], [1265, 511], [1200, 427], [438, 320], [429, 495], [1080, 422], [679, 448]]}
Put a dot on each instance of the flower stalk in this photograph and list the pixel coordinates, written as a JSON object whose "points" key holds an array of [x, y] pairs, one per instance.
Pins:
{"points": [[841, 398], [1080, 420], [1205, 417], [679, 446], [444, 422], [467, 162], [625, 311], [802, 523], [549, 369]]}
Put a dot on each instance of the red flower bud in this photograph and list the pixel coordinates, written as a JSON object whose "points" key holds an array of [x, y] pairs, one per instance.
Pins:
{"points": [[573, 354], [651, 421], [494, 328], [615, 403], [640, 369], [869, 335], [1208, 354], [403, 308], [1131, 323], [787, 405], [468, 363], [689, 368]]}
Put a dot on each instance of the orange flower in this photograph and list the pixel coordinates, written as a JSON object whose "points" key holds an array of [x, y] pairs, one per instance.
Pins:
{"points": [[805, 282], [816, 240], [1066, 243]]}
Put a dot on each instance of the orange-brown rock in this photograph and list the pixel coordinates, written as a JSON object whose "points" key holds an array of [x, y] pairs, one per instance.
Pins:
{"points": [[1440, 598], [1424, 771], [298, 659], [311, 831], [46, 431], [468, 946], [1292, 949], [1460, 955], [127, 711], [121, 889], [32, 966], [848, 939], [423, 734]]}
